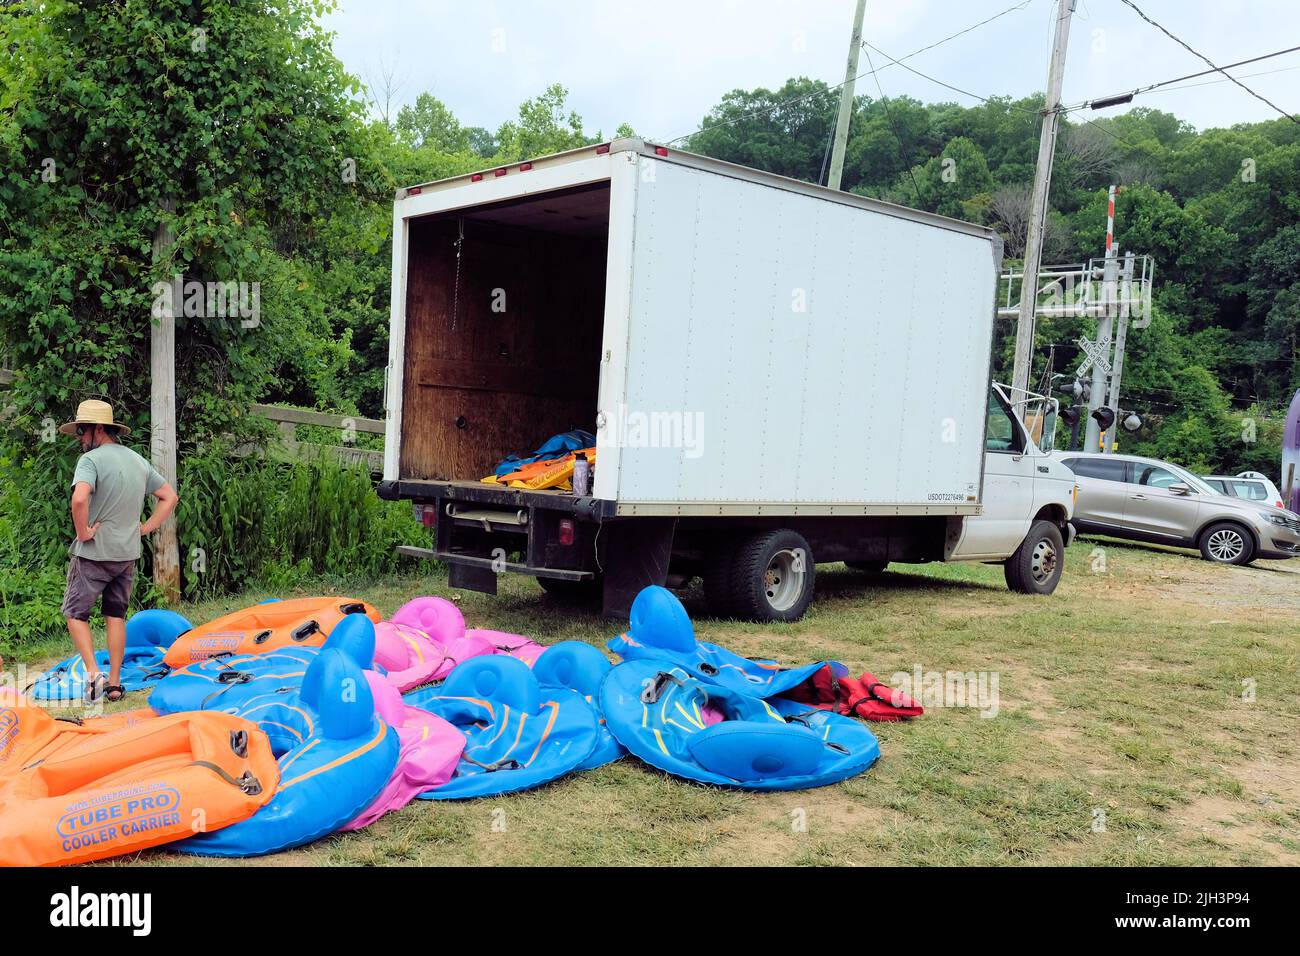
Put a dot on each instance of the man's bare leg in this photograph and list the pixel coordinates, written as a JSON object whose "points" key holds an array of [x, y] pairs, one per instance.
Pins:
{"points": [[116, 627], [84, 642]]}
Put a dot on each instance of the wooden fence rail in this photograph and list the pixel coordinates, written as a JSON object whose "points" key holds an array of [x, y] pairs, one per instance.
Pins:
{"points": [[290, 418]]}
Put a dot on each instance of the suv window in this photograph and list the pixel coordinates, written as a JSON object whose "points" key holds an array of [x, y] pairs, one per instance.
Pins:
{"points": [[1153, 476], [1000, 431], [1218, 485], [1106, 469], [1254, 490]]}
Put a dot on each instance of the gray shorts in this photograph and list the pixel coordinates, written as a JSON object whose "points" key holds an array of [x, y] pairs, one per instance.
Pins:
{"points": [[88, 579]]}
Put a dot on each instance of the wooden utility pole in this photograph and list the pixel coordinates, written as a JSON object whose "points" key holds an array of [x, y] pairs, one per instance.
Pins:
{"points": [[846, 100], [162, 415], [1038, 204]]}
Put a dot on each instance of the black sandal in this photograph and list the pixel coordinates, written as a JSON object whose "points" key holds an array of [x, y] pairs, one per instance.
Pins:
{"points": [[114, 692], [95, 688]]}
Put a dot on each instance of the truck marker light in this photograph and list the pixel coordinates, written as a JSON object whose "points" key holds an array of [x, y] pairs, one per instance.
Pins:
{"points": [[500, 172], [524, 167], [661, 150], [602, 150], [477, 177], [414, 191], [567, 529]]}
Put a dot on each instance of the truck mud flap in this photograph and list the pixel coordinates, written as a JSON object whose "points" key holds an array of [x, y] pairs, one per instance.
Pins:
{"points": [[471, 578], [633, 555]]}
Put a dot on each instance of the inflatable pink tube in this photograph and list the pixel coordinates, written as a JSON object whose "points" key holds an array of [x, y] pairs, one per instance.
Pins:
{"points": [[426, 637], [406, 654], [431, 748], [516, 645]]}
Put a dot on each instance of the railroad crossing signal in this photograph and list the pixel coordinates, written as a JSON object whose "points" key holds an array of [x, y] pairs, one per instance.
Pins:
{"points": [[1096, 355]]}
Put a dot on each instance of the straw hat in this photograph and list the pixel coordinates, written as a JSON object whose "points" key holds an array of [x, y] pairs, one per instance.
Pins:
{"points": [[93, 412]]}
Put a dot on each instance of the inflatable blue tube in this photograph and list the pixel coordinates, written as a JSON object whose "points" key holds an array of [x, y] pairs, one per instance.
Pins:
{"points": [[712, 734], [328, 778], [148, 635], [227, 683], [518, 734], [661, 630], [581, 668]]}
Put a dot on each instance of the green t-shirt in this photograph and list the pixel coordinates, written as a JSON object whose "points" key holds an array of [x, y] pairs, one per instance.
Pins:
{"points": [[119, 479]]}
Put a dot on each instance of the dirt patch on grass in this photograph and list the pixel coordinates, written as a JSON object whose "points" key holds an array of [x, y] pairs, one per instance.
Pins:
{"points": [[1262, 822]]}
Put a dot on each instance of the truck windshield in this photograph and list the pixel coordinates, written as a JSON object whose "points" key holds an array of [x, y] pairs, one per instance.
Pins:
{"points": [[1040, 420], [1036, 412]]}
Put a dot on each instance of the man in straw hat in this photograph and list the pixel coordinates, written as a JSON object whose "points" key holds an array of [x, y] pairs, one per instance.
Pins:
{"points": [[108, 490]]}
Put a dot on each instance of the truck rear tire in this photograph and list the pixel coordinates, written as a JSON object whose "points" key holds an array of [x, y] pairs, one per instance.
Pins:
{"points": [[772, 576], [867, 567], [1036, 566], [573, 592]]}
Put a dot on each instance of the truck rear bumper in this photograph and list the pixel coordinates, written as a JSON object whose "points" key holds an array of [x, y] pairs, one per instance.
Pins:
{"points": [[494, 565], [421, 490]]}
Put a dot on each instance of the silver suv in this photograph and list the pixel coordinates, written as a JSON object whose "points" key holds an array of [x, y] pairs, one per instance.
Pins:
{"points": [[1144, 499]]}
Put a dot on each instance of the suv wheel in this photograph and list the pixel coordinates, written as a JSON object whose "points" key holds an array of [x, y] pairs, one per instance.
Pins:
{"points": [[1227, 543]]}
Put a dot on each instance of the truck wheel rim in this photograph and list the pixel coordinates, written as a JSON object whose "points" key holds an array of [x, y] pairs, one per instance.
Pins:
{"points": [[1226, 545], [782, 584], [1042, 564]]}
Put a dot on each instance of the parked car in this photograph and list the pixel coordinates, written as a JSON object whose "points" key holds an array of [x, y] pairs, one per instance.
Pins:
{"points": [[1249, 484], [1144, 499]]}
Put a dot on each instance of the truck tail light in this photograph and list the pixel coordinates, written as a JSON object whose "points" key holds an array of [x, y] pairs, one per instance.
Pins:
{"points": [[568, 531], [426, 514]]}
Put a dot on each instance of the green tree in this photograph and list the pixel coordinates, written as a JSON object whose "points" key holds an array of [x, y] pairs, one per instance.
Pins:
{"points": [[544, 127], [953, 178], [429, 123], [236, 115], [784, 131]]}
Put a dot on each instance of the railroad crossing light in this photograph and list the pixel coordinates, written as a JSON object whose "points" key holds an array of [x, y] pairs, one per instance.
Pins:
{"points": [[1070, 415], [1105, 417], [1132, 422], [1079, 391]]}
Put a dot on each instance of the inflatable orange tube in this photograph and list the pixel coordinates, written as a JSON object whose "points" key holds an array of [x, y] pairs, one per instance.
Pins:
{"points": [[302, 622], [139, 786], [29, 733]]}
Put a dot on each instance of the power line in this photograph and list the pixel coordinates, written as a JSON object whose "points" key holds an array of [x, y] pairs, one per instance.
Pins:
{"points": [[1189, 76], [1113, 135], [1262, 99], [975, 26], [1244, 76], [800, 99], [884, 101], [956, 89]]}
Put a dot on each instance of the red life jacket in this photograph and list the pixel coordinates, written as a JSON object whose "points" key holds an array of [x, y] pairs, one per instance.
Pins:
{"points": [[862, 697]]}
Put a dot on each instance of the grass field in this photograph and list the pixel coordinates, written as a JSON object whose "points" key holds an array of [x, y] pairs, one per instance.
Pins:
{"points": [[1146, 714]]}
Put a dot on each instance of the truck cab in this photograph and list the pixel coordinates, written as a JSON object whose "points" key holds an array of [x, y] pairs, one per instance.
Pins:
{"points": [[1028, 497]]}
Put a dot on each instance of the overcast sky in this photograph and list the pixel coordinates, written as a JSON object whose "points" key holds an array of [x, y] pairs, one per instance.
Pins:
{"points": [[661, 64]]}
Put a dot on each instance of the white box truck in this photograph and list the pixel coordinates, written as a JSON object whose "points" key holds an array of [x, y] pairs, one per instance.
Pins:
{"points": [[777, 375]]}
